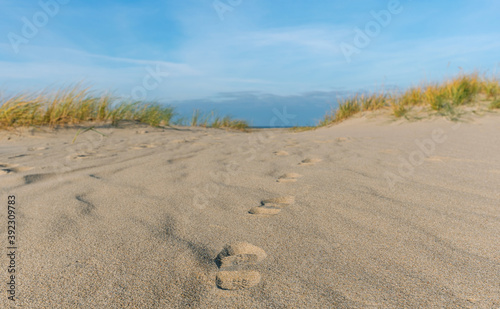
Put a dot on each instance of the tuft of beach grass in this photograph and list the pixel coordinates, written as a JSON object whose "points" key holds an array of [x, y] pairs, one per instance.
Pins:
{"points": [[444, 98], [76, 105], [495, 104]]}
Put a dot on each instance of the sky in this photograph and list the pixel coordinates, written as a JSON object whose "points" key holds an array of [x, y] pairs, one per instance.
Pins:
{"points": [[273, 63]]}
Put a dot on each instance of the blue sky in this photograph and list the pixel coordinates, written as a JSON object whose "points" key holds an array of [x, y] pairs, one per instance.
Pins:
{"points": [[252, 58]]}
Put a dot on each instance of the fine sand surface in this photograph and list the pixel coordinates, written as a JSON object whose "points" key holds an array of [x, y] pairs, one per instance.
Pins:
{"points": [[207, 218]]}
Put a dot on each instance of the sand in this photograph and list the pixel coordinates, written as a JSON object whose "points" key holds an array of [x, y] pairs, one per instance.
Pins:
{"points": [[370, 213]]}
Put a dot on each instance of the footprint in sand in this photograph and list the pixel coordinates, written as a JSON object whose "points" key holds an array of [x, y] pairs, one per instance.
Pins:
{"points": [[263, 210], [87, 155], [237, 280], [79, 156], [343, 139], [144, 146], [8, 169], [289, 177], [309, 161], [233, 257], [279, 202], [33, 178], [239, 254], [185, 140], [281, 153], [37, 148], [272, 206], [19, 156]]}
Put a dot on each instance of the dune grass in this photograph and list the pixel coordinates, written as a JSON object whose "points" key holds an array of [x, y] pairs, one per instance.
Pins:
{"points": [[399, 108], [297, 129], [76, 105], [373, 102], [444, 98], [213, 120], [349, 107], [495, 104]]}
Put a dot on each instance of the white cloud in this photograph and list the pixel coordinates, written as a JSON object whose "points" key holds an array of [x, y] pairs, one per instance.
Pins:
{"points": [[173, 68], [316, 39]]}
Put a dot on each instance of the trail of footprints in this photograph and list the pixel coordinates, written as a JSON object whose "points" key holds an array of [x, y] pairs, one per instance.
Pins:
{"points": [[12, 168], [235, 258]]}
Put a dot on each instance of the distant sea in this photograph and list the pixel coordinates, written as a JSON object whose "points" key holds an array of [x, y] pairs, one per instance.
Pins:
{"points": [[272, 115]]}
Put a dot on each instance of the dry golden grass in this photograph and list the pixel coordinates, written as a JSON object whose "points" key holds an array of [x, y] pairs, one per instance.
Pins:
{"points": [[495, 104], [444, 98], [371, 102], [76, 105], [213, 120], [297, 129]]}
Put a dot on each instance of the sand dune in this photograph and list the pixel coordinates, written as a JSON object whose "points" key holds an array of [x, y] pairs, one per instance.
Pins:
{"points": [[365, 214]]}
